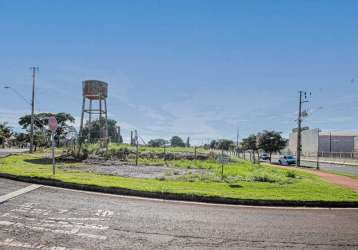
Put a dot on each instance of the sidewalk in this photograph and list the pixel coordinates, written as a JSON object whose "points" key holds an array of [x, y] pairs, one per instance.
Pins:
{"points": [[338, 161], [332, 178]]}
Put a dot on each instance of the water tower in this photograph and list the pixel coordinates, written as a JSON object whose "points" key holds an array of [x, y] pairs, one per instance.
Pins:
{"points": [[94, 102]]}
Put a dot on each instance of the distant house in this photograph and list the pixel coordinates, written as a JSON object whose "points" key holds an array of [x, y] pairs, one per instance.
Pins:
{"points": [[326, 143]]}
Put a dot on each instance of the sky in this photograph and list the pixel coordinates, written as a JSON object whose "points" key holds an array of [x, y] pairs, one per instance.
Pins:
{"points": [[201, 69]]}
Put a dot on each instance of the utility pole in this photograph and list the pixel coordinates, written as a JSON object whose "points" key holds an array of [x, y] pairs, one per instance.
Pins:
{"points": [[237, 137], [136, 146], [299, 120], [299, 127], [34, 69]]}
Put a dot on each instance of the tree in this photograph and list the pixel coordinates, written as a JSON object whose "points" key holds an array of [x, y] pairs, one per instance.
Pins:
{"points": [[187, 144], [222, 144], [157, 142], [176, 141], [271, 142], [94, 127], [249, 144], [22, 139], [41, 121], [213, 144], [40, 139], [225, 144], [5, 133]]}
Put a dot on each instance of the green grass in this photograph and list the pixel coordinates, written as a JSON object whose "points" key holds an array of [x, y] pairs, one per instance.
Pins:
{"points": [[242, 180]]}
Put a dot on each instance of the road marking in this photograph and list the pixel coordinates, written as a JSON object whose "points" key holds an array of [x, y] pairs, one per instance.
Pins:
{"points": [[29, 216], [104, 213], [42, 228], [13, 243], [12, 195]]}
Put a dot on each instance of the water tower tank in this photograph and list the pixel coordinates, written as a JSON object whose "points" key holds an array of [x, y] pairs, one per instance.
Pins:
{"points": [[94, 89]]}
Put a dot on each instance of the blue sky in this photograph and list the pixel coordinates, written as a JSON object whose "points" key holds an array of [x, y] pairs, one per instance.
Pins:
{"points": [[188, 68]]}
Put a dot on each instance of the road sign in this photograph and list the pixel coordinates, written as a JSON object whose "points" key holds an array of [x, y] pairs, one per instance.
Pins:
{"points": [[223, 159], [52, 123]]}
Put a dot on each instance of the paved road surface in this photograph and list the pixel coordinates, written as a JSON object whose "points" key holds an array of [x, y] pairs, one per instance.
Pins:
{"points": [[46, 218], [7, 151], [339, 168]]}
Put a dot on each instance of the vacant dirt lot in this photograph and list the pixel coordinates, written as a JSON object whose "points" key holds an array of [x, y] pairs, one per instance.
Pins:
{"points": [[126, 170]]}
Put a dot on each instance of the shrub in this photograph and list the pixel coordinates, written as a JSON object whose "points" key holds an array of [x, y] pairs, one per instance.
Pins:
{"points": [[291, 174], [263, 178]]}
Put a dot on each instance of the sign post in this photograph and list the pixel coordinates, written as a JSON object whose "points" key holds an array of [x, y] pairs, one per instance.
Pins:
{"points": [[52, 124], [223, 159]]}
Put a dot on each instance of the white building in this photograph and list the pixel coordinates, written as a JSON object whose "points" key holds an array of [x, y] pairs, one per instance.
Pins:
{"points": [[327, 143]]}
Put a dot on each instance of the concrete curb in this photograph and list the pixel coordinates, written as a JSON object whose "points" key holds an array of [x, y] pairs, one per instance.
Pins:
{"points": [[333, 162], [182, 197]]}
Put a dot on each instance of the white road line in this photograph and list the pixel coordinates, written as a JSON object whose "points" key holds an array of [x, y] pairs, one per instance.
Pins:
{"points": [[13, 243], [18, 192]]}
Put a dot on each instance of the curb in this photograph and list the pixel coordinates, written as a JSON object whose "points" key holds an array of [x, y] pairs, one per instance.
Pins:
{"points": [[334, 162], [182, 197]]}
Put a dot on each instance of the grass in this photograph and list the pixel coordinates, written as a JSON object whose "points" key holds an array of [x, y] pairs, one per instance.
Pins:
{"points": [[242, 180]]}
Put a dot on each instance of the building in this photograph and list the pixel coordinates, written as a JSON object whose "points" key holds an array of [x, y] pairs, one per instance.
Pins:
{"points": [[326, 143]]}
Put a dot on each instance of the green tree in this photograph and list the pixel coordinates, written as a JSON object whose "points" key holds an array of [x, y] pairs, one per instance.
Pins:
{"points": [[225, 144], [213, 144], [94, 127], [157, 142], [41, 121], [5, 133], [176, 141], [271, 142], [22, 138], [40, 139], [249, 144]]}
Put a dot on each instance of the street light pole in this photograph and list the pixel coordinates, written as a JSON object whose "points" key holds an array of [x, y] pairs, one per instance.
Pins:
{"points": [[302, 99], [298, 153], [34, 69]]}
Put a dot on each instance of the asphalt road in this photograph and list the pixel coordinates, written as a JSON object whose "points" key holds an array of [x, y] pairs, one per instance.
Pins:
{"points": [[339, 168], [7, 151], [52, 218], [333, 167]]}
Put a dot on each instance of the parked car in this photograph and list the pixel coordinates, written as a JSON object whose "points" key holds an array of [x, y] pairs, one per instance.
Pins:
{"points": [[265, 157], [287, 160]]}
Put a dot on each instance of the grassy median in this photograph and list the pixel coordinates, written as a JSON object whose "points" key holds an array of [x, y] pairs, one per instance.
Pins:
{"points": [[242, 180]]}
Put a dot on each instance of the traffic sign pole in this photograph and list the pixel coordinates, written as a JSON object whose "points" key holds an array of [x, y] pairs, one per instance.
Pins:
{"points": [[222, 164], [52, 124], [53, 154]]}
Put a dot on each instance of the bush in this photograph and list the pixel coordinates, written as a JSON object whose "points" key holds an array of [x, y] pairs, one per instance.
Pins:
{"points": [[291, 174], [263, 178]]}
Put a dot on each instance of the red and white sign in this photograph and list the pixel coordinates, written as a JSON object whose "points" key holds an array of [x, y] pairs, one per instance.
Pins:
{"points": [[52, 123]]}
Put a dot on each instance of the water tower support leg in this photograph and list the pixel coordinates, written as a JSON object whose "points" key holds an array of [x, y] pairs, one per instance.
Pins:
{"points": [[106, 123], [100, 121], [81, 126], [89, 121]]}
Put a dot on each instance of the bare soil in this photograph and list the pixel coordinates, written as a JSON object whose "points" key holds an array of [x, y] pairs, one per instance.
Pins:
{"points": [[118, 168]]}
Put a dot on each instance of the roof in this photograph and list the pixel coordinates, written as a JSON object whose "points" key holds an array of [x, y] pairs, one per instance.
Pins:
{"points": [[339, 133]]}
